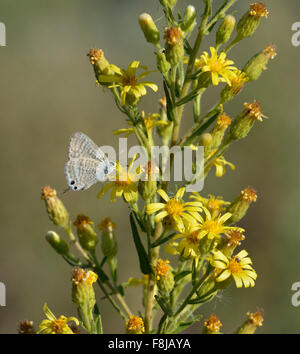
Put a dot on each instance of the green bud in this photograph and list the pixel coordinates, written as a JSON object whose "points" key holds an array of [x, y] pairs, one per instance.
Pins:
{"points": [[170, 3], [256, 65], [189, 19], [239, 207], [86, 233], [60, 246], [225, 30], [251, 20], [219, 130], [100, 64], [83, 293], [149, 28], [254, 321], [174, 45], [55, 208], [164, 276], [242, 125], [205, 139], [108, 240], [162, 64]]}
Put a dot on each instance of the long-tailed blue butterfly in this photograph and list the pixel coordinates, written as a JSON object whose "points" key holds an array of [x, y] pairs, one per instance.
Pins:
{"points": [[86, 163]]}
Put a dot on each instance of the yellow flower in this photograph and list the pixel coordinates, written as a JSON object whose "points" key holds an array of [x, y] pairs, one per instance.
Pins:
{"points": [[237, 81], [258, 9], [53, 325], [150, 121], [212, 325], [239, 267], [135, 325], [174, 208], [162, 268], [214, 204], [213, 227], [188, 247], [124, 184], [220, 164], [128, 82], [218, 65]]}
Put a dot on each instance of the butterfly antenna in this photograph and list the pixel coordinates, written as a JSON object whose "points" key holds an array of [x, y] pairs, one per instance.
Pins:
{"points": [[66, 190]]}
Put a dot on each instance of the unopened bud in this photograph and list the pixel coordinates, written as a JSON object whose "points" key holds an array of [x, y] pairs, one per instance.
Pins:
{"points": [[162, 64], [108, 240], [174, 45], [251, 20], [254, 321], [189, 19], [256, 65], [239, 207], [212, 325], [225, 30], [164, 276], [206, 139], [60, 246], [135, 325], [82, 288], [100, 64], [149, 28], [55, 208], [86, 233], [242, 125]]}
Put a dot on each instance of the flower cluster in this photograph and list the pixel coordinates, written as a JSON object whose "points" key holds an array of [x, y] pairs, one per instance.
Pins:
{"points": [[200, 232]]}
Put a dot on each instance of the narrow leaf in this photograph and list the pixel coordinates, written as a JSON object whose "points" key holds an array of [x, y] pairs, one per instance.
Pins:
{"points": [[143, 258], [181, 275], [162, 240]]}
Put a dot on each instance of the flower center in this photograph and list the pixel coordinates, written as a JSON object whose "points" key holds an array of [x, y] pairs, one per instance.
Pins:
{"points": [[174, 207], [235, 266], [213, 227], [216, 66], [59, 324], [193, 237], [129, 80]]}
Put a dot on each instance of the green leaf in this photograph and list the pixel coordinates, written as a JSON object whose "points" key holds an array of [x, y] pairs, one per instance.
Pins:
{"points": [[184, 325], [188, 98], [143, 258], [194, 272], [181, 275], [163, 305], [170, 113], [162, 240], [98, 328]]}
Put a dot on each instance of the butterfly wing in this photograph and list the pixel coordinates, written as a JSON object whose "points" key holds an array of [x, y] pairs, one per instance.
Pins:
{"points": [[81, 146], [81, 173]]}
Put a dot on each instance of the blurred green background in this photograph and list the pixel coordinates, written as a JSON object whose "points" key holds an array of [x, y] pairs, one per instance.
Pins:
{"points": [[48, 92]]}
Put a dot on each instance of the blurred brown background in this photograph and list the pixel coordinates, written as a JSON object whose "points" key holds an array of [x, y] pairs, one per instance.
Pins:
{"points": [[48, 92]]}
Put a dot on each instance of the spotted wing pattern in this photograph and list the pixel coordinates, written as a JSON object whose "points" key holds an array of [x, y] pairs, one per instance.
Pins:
{"points": [[84, 158]]}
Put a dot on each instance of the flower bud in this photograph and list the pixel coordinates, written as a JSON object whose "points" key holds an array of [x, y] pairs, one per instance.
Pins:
{"points": [[250, 325], [205, 139], [164, 131], [162, 64], [108, 240], [237, 83], [26, 327], [239, 207], [256, 65], [82, 288], [149, 28], [219, 130], [212, 325], [135, 325], [189, 19], [164, 276], [86, 233], [100, 64], [55, 208], [233, 239], [171, 3], [225, 30], [242, 125], [60, 246], [251, 20], [174, 45]]}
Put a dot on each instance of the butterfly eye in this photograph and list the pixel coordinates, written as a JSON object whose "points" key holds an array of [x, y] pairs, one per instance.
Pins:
{"points": [[72, 182], [106, 171], [75, 188]]}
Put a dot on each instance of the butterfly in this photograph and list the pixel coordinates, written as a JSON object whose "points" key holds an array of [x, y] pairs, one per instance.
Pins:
{"points": [[87, 164]]}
